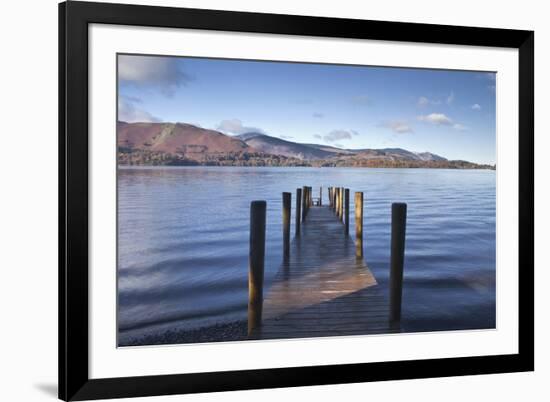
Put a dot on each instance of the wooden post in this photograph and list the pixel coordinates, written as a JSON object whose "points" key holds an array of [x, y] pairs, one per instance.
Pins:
{"points": [[337, 201], [334, 192], [321, 196], [298, 209], [256, 259], [330, 197], [346, 212], [359, 225], [287, 200], [304, 203], [398, 228], [310, 193], [341, 216]]}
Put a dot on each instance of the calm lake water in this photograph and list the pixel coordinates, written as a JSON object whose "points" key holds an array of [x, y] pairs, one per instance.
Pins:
{"points": [[183, 241]]}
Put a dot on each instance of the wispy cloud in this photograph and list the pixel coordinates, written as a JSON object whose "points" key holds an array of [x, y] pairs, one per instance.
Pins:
{"points": [[398, 126], [129, 112], [235, 126], [438, 119], [317, 136], [424, 101], [451, 98], [286, 137], [476, 106], [318, 115], [161, 73], [336, 135]]}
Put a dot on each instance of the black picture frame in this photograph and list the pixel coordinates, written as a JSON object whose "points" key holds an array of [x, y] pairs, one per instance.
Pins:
{"points": [[74, 19]]}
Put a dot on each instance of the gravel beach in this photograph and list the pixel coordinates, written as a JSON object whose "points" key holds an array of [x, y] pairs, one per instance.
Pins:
{"points": [[233, 331]]}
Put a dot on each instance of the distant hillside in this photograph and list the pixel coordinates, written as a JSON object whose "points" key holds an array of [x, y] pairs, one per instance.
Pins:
{"points": [[277, 146], [177, 138], [185, 144]]}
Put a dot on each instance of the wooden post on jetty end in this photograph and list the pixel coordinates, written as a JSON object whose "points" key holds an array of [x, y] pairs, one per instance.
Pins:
{"points": [[256, 258], [341, 215], [304, 203], [336, 200], [298, 209], [287, 200], [321, 196], [398, 228], [359, 225], [330, 197], [346, 211]]}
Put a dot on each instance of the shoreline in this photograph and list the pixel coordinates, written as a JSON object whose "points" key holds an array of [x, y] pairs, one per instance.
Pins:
{"points": [[227, 332]]}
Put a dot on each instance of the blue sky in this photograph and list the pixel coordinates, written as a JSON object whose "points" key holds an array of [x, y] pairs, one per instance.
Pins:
{"points": [[449, 113]]}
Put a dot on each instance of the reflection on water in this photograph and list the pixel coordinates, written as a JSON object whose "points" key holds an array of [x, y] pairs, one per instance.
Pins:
{"points": [[183, 241]]}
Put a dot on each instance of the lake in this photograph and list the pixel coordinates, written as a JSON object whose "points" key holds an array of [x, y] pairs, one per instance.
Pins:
{"points": [[183, 241]]}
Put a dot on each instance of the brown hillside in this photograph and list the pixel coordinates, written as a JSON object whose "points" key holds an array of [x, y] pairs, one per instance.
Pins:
{"points": [[176, 139]]}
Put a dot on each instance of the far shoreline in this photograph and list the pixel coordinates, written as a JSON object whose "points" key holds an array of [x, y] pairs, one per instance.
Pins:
{"points": [[120, 166]]}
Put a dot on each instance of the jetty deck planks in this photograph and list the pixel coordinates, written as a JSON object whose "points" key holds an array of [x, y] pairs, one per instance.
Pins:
{"points": [[322, 289]]}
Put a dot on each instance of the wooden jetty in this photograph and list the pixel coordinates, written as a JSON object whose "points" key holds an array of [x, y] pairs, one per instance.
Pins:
{"points": [[323, 286]]}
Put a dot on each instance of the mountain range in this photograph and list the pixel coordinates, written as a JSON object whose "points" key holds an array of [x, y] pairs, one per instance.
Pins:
{"points": [[186, 144]]}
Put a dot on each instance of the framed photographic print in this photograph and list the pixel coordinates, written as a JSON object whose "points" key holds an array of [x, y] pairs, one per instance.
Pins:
{"points": [[258, 200]]}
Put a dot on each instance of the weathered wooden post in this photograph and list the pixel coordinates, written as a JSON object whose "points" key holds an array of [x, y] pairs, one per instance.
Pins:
{"points": [[304, 203], [330, 197], [346, 212], [287, 200], [256, 257], [310, 193], [398, 227], [341, 216], [298, 209], [337, 201], [334, 198], [321, 196], [359, 225]]}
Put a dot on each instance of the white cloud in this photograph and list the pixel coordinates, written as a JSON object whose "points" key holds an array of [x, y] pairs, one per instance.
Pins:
{"points": [[235, 126], [130, 113], [450, 98], [423, 101], [336, 135], [162, 73], [437, 119], [476, 106], [397, 126], [459, 127]]}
